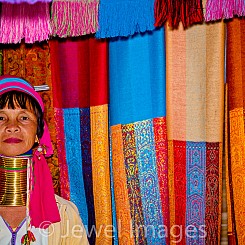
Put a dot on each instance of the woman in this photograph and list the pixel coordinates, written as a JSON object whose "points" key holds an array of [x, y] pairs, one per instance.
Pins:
{"points": [[30, 212]]}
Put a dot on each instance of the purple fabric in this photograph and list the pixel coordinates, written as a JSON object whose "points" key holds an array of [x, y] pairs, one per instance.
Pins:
{"points": [[14, 233], [25, 1]]}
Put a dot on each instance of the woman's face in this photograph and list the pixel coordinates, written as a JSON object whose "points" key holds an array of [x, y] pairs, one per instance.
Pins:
{"points": [[18, 128]]}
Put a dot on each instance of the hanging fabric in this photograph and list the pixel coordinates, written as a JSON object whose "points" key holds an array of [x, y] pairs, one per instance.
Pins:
{"points": [[176, 11], [125, 17], [224, 215], [224, 9], [195, 92], [80, 84], [24, 21], [139, 140], [236, 135], [72, 18]]}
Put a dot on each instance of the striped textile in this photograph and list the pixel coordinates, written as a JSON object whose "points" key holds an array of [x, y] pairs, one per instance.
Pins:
{"points": [[139, 140], [81, 105], [195, 95]]}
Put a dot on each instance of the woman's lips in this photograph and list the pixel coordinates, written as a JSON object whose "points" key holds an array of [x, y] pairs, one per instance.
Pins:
{"points": [[12, 140]]}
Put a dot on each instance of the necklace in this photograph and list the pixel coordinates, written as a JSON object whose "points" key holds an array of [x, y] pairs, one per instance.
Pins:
{"points": [[13, 180]]}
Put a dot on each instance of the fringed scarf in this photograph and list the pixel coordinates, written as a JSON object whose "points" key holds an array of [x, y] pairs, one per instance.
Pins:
{"points": [[174, 11], [226, 9], [74, 18], [28, 21], [124, 18]]}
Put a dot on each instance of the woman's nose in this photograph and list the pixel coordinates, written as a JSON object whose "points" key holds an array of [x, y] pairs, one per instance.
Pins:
{"points": [[12, 127]]}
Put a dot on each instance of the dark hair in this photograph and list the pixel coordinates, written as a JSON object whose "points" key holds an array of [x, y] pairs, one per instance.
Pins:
{"points": [[21, 99]]}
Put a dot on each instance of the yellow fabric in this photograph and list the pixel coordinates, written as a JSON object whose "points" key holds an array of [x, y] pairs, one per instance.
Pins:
{"points": [[101, 174], [235, 78], [70, 230], [120, 185], [237, 151]]}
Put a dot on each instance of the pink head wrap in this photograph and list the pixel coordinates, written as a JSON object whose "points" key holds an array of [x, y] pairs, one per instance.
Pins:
{"points": [[43, 208]]}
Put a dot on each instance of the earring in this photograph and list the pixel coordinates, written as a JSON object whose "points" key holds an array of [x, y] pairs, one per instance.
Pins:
{"points": [[39, 147]]}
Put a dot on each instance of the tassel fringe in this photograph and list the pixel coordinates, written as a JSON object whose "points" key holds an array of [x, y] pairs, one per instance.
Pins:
{"points": [[224, 9], [161, 12], [125, 18], [213, 10], [28, 21], [174, 11], [28, 238], [74, 18]]}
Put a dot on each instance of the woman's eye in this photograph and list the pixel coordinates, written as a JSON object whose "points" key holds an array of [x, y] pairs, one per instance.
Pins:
{"points": [[2, 118], [24, 118]]}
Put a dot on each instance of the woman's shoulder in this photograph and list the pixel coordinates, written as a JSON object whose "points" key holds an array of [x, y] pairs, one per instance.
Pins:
{"points": [[62, 201], [66, 205], [70, 230]]}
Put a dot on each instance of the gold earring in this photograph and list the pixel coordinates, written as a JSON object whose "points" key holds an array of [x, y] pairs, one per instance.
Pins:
{"points": [[36, 139]]}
